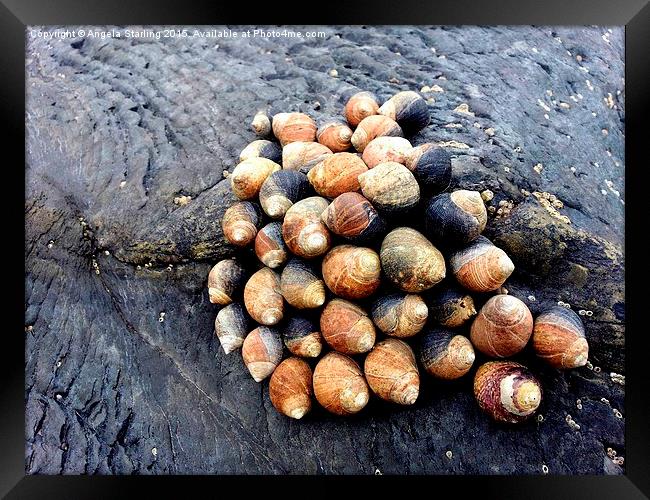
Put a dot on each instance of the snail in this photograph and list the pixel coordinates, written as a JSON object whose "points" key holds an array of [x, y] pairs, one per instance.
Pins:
{"points": [[231, 326], [302, 338], [352, 272], [450, 306], [339, 384], [392, 373], [290, 388], [303, 156], [301, 284], [247, 177], [360, 106], [352, 216], [270, 247], [262, 149], [335, 135], [481, 266], [261, 124], [390, 187], [241, 222], [282, 189], [431, 166], [408, 109], [559, 338], [502, 327], [444, 354], [225, 281], [385, 149], [507, 391], [292, 127], [337, 174], [303, 230], [372, 127], [399, 314], [456, 218], [262, 352], [346, 327], [410, 261], [262, 297]]}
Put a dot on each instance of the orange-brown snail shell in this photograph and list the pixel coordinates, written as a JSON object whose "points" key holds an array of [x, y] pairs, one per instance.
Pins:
{"points": [[385, 149], [282, 189], [360, 106], [346, 327], [249, 175], [290, 388], [262, 297], [352, 216], [337, 174], [390, 187], [392, 373], [559, 338], [261, 124], [303, 230], [502, 327], [399, 314], [292, 127], [335, 135], [352, 272], [339, 384], [225, 281], [302, 337], [301, 284], [372, 127], [241, 222], [270, 247], [261, 148], [303, 156], [444, 354], [481, 266], [262, 352]]}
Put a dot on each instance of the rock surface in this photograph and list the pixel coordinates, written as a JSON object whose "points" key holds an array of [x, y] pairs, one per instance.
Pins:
{"points": [[121, 131]]}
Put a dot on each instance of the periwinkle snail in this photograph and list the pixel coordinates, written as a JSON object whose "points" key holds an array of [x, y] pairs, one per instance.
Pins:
{"points": [[337, 174], [262, 297], [302, 337], [372, 127], [392, 373], [225, 281], [559, 338], [399, 314], [231, 327], [249, 175], [303, 156], [410, 261], [346, 327], [360, 106], [450, 306], [408, 109], [385, 149], [301, 284], [481, 266], [507, 391], [261, 148], [290, 388], [241, 222], [456, 218], [261, 124], [431, 166], [444, 354], [502, 327], [390, 187], [282, 189], [352, 216], [339, 384], [270, 247], [352, 272], [303, 230], [292, 127], [336, 135], [262, 352]]}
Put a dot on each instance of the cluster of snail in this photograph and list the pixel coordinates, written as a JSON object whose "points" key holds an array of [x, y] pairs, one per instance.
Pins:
{"points": [[339, 264]]}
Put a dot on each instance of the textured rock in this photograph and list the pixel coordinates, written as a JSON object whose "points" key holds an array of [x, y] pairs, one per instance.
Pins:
{"points": [[119, 129]]}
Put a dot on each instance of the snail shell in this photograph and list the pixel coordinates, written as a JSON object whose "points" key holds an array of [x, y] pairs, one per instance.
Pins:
{"points": [[444, 354], [390, 187], [261, 124], [282, 189], [339, 384], [292, 127], [249, 175], [337, 174], [241, 222], [290, 388], [410, 261], [352, 216], [231, 326], [335, 135], [502, 327], [301, 285], [408, 109], [360, 106], [431, 166], [303, 156], [507, 391], [372, 127], [559, 338], [262, 297], [302, 338], [270, 247], [456, 218], [450, 307], [352, 272], [262, 149], [399, 315], [262, 352], [392, 373], [303, 230], [481, 266], [346, 327], [225, 280], [385, 149]]}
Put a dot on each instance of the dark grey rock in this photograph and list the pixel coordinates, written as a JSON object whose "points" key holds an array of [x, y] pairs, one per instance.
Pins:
{"points": [[117, 129]]}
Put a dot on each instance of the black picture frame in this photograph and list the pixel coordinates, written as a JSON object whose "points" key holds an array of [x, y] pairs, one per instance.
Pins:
{"points": [[16, 15]]}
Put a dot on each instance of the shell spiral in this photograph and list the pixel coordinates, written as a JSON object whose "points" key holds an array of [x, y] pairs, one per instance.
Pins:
{"points": [[231, 327], [262, 352], [481, 266], [241, 222], [262, 297], [249, 175], [302, 338], [456, 218], [339, 384], [225, 281], [346, 327], [372, 127], [337, 174], [444, 354], [392, 372], [270, 247], [282, 189], [400, 315], [292, 127], [290, 388], [360, 106], [390, 187], [352, 272], [303, 230], [301, 284], [408, 109], [352, 216], [303, 156], [559, 338], [335, 135]]}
